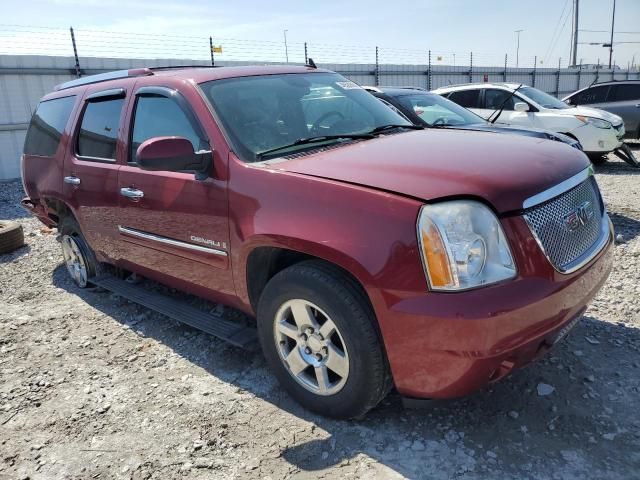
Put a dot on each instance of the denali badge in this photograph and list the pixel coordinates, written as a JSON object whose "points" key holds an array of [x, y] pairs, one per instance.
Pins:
{"points": [[579, 217], [206, 241]]}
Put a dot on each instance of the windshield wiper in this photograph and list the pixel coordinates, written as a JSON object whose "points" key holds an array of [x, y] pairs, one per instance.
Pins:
{"points": [[504, 103], [318, 138], [391, 126]]}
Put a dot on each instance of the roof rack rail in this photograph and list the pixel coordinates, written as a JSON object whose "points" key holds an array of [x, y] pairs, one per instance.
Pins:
{"points": [[177, 67], [104, 77], [412, 88]]}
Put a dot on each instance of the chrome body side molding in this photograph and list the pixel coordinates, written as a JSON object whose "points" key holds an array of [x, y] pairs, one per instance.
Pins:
{"points": [[169, 241]]}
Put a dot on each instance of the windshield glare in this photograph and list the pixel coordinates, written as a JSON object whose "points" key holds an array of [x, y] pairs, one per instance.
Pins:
{"points": [[541, 98], [261, 113], [435, 110]]}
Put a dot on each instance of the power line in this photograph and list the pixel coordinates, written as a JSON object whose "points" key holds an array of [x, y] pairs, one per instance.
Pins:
{"points": [[554, 38]]}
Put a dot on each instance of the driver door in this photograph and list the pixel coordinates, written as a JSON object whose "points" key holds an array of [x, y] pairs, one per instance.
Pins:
{"points": [[172, 224], [493, 100]]}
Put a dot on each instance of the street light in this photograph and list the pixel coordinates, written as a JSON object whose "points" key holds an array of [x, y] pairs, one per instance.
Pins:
{"points": [[286, 50], [518, 45]]}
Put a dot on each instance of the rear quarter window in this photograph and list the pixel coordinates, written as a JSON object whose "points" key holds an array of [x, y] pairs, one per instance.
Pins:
{"points": [[47, 125]]}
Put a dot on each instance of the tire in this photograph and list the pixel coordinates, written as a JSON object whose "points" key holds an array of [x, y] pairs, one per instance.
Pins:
{"points": [[329, 296], [79, 259], [11, 236], [597, 158]]}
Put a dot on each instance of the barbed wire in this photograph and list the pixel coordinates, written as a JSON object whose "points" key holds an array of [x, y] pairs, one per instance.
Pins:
{"points": [[55, 41]]}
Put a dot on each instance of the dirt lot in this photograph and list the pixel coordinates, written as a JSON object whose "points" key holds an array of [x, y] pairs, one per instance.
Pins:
{"points": [[92, 386]]}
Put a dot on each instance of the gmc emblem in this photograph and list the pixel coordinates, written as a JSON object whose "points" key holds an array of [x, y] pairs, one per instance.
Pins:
{"points": [[578, 217]]}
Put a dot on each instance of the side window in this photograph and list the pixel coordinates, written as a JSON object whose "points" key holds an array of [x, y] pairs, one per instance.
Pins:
{"points": [[47, 124], [157, 116], [466, 98], [493, 99], [625, 92], [591, 95], [99, 129]]}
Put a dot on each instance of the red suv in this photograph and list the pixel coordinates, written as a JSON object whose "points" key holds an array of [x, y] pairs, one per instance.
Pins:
{"points": [[370, 254]]}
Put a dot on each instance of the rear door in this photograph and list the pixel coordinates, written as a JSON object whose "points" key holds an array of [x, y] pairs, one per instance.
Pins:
{"points": [[175, 227], [91, 169]]}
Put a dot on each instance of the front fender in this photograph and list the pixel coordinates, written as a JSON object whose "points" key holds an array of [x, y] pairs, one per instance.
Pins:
{"points": [[369, 233]]}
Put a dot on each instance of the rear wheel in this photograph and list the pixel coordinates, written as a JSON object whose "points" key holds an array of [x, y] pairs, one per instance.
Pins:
{"points": [[78, 256], [317, 333]]}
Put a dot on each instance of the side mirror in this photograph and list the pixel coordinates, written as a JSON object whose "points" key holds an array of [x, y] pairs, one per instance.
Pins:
{"points": [[173, 154], [521, 107]]}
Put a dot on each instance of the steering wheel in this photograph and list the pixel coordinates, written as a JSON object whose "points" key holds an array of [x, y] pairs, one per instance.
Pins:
{"points": [[316, 125], [439, 121]]}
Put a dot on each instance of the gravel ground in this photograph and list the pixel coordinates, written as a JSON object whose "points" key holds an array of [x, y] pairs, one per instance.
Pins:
{"points": [[92, 386]]}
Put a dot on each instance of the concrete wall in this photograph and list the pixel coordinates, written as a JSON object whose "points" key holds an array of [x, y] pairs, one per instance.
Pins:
{"points": [[24, 79]]}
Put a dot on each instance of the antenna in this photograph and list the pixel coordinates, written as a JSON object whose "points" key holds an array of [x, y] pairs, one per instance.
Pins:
{"points": [[311, 63]]}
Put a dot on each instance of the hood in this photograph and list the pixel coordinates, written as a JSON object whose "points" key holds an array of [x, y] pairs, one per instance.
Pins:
{"points": [[591, 112], [518, 130], [504, 170]]}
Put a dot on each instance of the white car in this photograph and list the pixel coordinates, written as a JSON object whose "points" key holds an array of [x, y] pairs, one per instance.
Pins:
{"points": [[598, 131]]}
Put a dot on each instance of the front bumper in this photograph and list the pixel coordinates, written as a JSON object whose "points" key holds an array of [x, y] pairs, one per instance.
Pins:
{"points": [[599, 140], [445, 345]]}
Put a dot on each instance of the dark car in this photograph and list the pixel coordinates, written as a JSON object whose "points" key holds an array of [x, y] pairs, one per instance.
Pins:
{"points": [[434, 111], [368, 252], [621, 97]]}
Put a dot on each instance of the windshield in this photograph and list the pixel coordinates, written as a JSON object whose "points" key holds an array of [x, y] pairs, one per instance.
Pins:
{"points": [[543, 99], [262, 113], [435, 110]]}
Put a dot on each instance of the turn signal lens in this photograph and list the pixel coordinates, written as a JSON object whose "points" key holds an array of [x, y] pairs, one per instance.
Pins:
{"points": [[436, 257]]}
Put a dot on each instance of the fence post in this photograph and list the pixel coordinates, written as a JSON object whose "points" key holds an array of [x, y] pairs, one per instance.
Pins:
{"points": [[504, 75], [306, 57], [429, 72], [213, 62], [75, 52], [377, 71], [597, 71], [471, 69], [533, 74], [628, 69], [558, 78]]}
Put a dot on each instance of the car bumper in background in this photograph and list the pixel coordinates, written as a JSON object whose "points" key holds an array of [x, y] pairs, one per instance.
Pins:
{"points": [[599, 140]]}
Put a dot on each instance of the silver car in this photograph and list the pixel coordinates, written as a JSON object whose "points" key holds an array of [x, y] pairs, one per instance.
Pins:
{"points": [[621, 97]]}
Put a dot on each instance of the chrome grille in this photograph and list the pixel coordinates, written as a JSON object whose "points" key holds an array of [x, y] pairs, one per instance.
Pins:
{"points": [[569, 226]]}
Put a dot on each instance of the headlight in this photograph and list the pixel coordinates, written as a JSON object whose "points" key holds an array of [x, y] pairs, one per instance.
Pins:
{"points": [[596, 122], [463, 246]]}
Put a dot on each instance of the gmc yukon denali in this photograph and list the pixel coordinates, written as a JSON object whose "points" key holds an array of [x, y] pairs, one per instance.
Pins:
{"points": [[371, 253]]}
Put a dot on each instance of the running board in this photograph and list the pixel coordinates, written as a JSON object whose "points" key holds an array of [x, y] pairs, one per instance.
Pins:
{"points": [[216, 325]]}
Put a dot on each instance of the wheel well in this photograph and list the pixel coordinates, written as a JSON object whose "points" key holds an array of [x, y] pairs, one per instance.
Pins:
{"points": [[57, 210], [265, 262]]}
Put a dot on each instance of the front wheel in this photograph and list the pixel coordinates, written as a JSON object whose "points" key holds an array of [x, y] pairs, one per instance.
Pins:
{"points": [[597, 158], [317, 333]]}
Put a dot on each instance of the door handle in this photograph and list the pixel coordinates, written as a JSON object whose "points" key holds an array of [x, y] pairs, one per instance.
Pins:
{"points": [[637, 105], [72, 180], [132, 194]]}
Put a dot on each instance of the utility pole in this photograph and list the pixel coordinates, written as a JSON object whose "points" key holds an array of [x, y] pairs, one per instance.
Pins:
{"points": [[286, 50], [574, 49], [613, 19], [518, 45]]}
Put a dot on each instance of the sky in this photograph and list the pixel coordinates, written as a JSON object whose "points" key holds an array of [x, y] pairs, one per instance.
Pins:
{"points": [[335, 30]]}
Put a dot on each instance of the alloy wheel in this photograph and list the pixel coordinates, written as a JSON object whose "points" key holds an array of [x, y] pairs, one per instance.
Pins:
{"points": [[74, 260], [311, 347]]}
